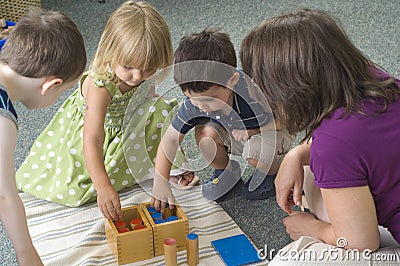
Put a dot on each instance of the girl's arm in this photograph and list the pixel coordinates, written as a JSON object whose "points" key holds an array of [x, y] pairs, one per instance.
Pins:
{"points": [[12, 212], [97, 100]]}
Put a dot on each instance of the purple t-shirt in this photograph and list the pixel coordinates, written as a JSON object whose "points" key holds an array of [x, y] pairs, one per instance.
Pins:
{"points": [[362, 151]]}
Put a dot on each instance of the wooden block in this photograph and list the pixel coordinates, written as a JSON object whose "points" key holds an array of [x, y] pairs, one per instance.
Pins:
{"points": [[134, 245], [177, 229]]}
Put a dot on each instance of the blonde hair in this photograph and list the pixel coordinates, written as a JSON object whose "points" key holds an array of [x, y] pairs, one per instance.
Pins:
{"points": [[136, 35]]}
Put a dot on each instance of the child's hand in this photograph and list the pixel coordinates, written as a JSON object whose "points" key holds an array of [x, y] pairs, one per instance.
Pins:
{"points": [[161, 194], [240, 135], [109, 203]]}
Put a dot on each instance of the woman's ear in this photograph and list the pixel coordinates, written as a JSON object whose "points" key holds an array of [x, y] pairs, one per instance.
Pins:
{"points": [[232, 81], [49, 83]]}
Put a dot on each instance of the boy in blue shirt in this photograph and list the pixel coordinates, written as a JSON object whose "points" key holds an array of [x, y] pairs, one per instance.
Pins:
{"points": [[229, 117]]}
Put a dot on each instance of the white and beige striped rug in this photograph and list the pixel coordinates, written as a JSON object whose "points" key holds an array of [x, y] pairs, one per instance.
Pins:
{"points": [[76, 236]]}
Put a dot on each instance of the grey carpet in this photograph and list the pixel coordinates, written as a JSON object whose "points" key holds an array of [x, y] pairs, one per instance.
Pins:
{"points": [[372, 25]]}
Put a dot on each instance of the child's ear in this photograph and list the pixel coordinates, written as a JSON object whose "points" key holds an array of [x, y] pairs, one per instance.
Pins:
{"points": [[232, 81], [49, 83]]}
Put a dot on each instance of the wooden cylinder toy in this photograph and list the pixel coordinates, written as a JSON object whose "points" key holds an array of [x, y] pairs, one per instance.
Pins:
{"points": [[192, 246], [170, 252]]}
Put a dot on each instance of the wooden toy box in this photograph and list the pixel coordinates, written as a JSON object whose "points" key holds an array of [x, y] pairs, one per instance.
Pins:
{"points": [[133, 245], [177, 229]]}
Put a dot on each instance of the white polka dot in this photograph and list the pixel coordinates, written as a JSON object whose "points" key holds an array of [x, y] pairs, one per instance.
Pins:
{"points": [[61, 110], [72, 151], [68, 114], [81, 123], [78, 164], [154, 137], [59, 196], [80, 177], [32, 153], [92, 190], [160, 125], [26, 175], [113, 163], [35, 166], [61, 120], [27, 186], [83, 186], [148, 122], [52, 154], [59, 159], [61, 140], [142, 134], [116, 140], [145, 159], [137, 146], [116, 170], [38, 144], [49, 146], [68, 131], [164, 112], [42, 158], [49, 165], [150, 148], [50, 133], [141, 111], [69, 179], [72, 191], [128, 171], [112, 181], [132, 136], [152, 109], [58, 171], [51, 189], [44, 175], [132, 158], [58, 183], [125, 182]]}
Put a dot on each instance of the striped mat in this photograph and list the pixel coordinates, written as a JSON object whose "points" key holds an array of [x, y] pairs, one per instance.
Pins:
{"points": [[76, 236]]}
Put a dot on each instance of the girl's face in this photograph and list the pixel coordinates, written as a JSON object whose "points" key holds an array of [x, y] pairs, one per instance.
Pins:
{"points": [[132, 76]]}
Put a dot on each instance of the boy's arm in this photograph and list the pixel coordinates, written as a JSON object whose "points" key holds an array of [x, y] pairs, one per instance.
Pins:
{"points": [[165, 156], [12, 212], [97, 100]]}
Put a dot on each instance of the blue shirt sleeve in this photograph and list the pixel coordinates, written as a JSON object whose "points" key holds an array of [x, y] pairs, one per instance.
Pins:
{"points": [[187, 117]]}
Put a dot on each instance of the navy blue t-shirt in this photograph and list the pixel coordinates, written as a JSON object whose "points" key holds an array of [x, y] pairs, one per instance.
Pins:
{"points": [[246, 113], [6, 107]]}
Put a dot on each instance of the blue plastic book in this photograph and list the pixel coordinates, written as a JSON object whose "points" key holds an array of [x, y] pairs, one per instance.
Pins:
{"points": [[236, 250]]}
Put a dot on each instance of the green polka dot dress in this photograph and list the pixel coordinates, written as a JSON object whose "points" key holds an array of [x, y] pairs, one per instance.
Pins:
{"points": [[55, 168]]}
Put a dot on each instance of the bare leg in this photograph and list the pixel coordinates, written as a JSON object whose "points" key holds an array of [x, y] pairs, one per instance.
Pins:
{"points": [[211, 147]]}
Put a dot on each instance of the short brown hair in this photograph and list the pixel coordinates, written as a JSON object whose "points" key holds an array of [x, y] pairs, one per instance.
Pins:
{"points": [[45, 43], [210, 45], [307, 68]]}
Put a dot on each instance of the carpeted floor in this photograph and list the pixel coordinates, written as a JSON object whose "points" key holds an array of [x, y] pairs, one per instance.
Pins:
{"points": [[372, 25]]}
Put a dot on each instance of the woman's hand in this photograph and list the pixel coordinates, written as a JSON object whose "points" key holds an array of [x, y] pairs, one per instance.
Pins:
{"points": [[289, 181], [299, 224]]}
